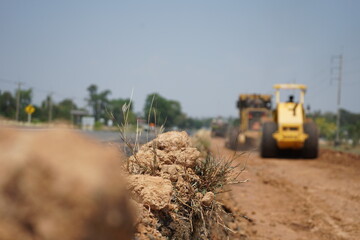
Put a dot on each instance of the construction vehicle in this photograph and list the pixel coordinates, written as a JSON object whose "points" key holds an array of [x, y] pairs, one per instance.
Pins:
{"points": [[254, 109], [289, 131], [218, 127]]}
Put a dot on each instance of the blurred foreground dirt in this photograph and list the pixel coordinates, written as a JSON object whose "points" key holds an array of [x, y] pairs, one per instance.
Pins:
{"points": [[55, 184], [297, 199]]}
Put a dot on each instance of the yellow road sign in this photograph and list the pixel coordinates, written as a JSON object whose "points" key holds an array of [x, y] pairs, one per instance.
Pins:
{"points": [[29, 109]]}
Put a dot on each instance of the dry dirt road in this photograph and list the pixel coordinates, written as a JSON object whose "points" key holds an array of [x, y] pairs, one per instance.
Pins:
{"points": [[298, 199]]}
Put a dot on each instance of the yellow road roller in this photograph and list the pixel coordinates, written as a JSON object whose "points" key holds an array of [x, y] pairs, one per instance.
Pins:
{"points": [[289, 131]]}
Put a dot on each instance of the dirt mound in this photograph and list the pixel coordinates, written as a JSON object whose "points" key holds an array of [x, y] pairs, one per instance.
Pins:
{"points": [[58, 185], [337, 157], [146, 190], [167, 149], [175, 190]]}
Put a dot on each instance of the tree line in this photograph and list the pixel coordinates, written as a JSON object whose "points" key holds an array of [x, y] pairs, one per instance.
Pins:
{"points": [[349, 126], [157, 109], [47, 109]]}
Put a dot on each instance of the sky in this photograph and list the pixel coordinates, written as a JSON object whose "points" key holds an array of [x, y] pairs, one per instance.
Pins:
{"points": [[200, 53]]}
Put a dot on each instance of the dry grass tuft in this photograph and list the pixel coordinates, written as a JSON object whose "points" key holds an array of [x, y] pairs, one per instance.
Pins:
{"points": [[202, 141], [217, 172]]}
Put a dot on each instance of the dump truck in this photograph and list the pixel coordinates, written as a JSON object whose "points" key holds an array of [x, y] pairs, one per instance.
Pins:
{"points": [[289, 132], [254, 109]]}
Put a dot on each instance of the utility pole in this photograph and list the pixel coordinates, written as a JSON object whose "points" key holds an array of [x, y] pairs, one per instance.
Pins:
{"points": [[337, 65], [50, 106], [71, 111], [18, 101]]}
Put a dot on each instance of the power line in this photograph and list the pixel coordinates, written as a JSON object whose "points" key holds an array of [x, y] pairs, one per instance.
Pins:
{"points": [[7, 81], [39, 90]]}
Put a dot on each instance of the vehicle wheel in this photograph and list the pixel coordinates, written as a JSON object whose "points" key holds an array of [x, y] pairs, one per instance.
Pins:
{"points": [[268, 143], [311, 145]]}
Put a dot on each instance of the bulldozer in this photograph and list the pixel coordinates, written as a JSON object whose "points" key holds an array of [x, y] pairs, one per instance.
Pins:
{"points": [[289, 132], [254, 109]]}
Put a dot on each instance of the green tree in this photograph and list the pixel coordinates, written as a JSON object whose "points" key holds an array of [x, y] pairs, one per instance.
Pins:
{"points": [[327, 128], [354, 133], [63, 109], [115, 106], [93, 101], [7, 105], [348, 118], [350, 126], [42, 111], [159, 110], [59, 111], [98, 101]]}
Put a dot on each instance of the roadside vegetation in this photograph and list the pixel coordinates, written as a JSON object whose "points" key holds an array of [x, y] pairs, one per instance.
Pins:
{"points": [[349, 129], [168, 112], [98, 104]]}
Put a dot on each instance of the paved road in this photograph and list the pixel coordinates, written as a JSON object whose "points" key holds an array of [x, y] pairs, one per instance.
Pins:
{"points": [[110, 136], [102, 136]]}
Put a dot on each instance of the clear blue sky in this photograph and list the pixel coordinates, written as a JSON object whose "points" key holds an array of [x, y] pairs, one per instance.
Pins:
{"points": [[201, 53]]}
